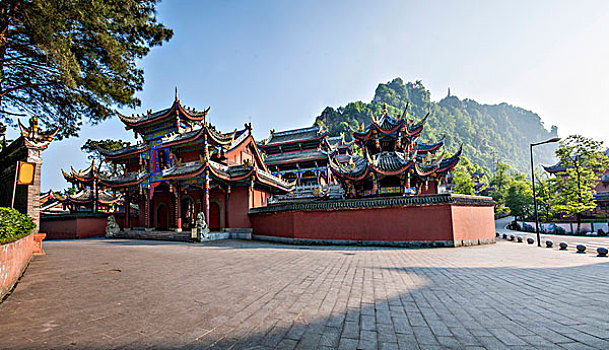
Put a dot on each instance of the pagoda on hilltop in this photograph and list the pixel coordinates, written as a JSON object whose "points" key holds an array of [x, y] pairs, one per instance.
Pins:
{"points": [[182, 166], [87, 196], [392, 159]]}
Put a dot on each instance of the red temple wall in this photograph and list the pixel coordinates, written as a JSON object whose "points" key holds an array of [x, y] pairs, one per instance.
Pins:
{"points": [[432, 188], [446, 223], [218, 196], [471, 222], [73, 226], [190, 156], [422, 223], [238, 206], [260, 198], [14, 258]]}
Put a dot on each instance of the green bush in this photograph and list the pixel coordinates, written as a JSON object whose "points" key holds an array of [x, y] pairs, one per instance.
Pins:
{"points": [[14, 225]]}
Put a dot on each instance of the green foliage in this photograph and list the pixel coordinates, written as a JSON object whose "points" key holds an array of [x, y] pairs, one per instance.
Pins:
{"points": [[71, 60], [14, 225], [321, 125], [585, 162], [519, 198], [501, 183], [489, 133], [467, 176], [546, 189], [463, 182]]}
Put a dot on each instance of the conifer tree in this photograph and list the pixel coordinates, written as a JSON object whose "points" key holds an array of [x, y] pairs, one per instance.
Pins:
{"points": [[65, 61]]}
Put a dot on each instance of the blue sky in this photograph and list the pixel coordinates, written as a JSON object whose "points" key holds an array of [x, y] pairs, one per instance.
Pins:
{"points": [[279, 63]]}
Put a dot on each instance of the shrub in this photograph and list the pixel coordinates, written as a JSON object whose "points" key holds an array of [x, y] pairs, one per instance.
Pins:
{"points": [[14, 225]]}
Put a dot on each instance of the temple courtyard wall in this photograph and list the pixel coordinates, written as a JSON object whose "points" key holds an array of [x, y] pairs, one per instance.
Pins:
{"points": [[447, 220], [14, 258], [78, 225]]}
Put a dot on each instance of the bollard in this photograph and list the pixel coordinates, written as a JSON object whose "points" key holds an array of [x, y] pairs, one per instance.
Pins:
{"points": [[496, 234], [512, 237], [505, 236], [563, 245], [519, 239], [530, 240], [549, 244], [581, 249], [602, 252]]}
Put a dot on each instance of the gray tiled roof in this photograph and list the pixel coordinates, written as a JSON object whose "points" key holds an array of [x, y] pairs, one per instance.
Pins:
{"points": [[128, 149], [389, 161], [295, 157], [127, 178], [356, 168], [294, 135], [186, 168]]}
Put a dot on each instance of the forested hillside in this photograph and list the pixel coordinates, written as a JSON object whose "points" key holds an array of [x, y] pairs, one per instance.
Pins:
{"points": [[489, 133]]}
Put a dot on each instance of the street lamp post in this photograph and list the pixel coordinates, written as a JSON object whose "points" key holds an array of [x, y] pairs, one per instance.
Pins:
{"points": [[556, 139]]}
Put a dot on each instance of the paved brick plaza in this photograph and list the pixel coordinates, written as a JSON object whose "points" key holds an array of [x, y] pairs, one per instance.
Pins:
{"points": [[135, 294]]}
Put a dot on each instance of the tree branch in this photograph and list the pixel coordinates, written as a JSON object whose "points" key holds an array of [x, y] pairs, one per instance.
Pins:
{"points": [[23, 86]]}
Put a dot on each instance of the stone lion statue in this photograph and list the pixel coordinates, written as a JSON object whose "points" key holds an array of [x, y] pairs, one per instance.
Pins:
{"points": [[112, 227], [202, 227]]}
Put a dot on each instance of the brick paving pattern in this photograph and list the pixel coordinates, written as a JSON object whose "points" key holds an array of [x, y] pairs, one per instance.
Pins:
{"points": [[107, 294]]}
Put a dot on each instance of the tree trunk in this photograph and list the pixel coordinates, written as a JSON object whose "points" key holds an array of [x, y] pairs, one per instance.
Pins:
{"points": [[579, 222]]}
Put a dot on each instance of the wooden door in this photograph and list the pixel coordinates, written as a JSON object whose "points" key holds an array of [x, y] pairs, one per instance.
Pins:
{"points": [[214, 216], [162, 217]]}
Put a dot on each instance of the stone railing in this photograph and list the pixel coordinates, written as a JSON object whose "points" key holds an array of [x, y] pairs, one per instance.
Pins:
{"points": [[437, 199]]}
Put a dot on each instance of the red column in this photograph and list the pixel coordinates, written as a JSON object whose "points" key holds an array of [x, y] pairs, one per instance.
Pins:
{"points": [[178, 210], [127, 211], [228, 190], [207, 195], [206, 154], [148, 218]]}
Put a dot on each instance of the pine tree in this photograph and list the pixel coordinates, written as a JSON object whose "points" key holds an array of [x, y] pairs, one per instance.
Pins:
{"points": [[66, 61]]}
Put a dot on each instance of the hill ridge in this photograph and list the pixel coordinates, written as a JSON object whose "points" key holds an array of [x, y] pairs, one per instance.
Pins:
{"points": [[490, 133]]}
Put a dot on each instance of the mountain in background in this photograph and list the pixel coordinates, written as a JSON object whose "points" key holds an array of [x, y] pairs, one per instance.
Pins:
{"points": [[489, 133]]}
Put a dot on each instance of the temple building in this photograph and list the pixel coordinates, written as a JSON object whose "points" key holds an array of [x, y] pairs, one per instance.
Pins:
{"points": [[87, 195], [340, 145], [182, 166], [391, 160], [50, 205], [299, 155]]}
